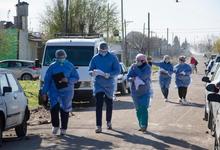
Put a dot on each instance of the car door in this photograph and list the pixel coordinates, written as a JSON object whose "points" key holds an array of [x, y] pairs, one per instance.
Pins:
{"points": [[10, 102], [15, 67], [19, 99]]}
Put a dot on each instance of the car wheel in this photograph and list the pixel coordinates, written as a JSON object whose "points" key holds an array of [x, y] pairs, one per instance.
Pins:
{"points": [[21, 130], [123, 89], [1, 131], [26, 76], [92, 102]]}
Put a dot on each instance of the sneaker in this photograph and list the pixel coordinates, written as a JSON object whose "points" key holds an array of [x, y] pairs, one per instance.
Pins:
{"points": [[109, 126], [55, 130], [143, 129], [166, 100], [98, 130], [62, 132]]}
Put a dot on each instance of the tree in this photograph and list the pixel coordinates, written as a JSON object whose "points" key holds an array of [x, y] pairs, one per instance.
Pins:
{"points": [[176, 44], [137, 41], [217, 46], [85, 16]]}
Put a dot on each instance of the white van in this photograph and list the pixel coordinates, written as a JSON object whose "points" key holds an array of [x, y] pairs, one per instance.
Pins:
{"points": [[79, 52]]}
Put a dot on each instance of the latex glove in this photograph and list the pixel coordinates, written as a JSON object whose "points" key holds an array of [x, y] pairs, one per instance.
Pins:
{"points": [[92, 73], [65, 80], [107, 75], [183, 73]]}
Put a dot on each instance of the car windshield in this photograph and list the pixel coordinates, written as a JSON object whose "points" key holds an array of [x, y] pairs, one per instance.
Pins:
{"points": [[78, 55]]}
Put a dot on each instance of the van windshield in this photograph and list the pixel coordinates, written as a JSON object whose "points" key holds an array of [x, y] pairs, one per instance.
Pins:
{"points": [[78, 55]]}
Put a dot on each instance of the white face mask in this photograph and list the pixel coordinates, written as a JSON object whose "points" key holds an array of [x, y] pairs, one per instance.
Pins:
{"points": [[167, 60], [103, 53], [139, 63]]}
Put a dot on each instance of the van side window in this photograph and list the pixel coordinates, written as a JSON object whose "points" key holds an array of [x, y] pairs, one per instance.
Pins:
{"points": [[12, 82], [3, 82]]}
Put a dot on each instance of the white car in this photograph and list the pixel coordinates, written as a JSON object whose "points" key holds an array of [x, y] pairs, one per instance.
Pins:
{"points": [[14, 112]]}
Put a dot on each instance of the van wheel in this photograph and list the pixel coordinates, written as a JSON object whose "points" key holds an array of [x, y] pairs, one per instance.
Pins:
{"points": [[123, 89], [26, 76], [1, 131], [21, 130]]}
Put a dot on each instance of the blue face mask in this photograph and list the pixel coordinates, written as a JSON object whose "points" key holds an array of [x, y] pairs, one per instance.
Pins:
{"points": [[61, 60], [103, 53]]}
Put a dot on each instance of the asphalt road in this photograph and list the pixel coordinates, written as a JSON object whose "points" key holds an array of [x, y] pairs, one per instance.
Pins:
{"points": [[171, 126]]}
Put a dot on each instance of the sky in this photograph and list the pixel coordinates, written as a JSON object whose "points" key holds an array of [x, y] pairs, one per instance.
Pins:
{"points": [[194, 20]]}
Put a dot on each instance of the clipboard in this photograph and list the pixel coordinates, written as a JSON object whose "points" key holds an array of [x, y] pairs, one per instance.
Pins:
{"points": [[57, 78]]}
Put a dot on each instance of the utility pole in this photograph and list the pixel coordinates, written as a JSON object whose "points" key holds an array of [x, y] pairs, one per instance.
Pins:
{"points": [[66, 16], [167, 37], [142, 46], [148, 49], [125, 45], [108, 23], [122, 33], [122, 20]]}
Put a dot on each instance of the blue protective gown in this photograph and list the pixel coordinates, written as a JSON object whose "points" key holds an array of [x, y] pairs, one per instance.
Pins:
{"points": [[183, 80], [108, 64], [164, 79], [63, 96], [141, 102], [145, 75]]}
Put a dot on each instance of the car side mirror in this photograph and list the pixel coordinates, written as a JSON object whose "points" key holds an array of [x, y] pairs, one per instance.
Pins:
{"points": [[213, 97], [206, 79], [212, 88], [6, 89]]}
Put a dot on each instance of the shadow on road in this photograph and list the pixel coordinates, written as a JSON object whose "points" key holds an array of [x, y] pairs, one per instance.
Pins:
{"points": [[75, 142], [31, 142], [136, 139], [190, 104], [117, 105], [174, 141]]}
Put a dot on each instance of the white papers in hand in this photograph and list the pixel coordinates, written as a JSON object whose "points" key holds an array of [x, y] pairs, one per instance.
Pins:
{"points": [[138, 82], [99, 72]]}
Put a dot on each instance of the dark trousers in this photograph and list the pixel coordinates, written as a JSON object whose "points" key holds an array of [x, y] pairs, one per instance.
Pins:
{"points": [[100, 98], [182, 91], [165, 92], [55, 117]]}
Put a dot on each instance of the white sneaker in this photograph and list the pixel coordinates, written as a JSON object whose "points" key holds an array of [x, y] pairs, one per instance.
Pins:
{"points": [[109, 126], [55, 130], [62, 132], [98, 129], [166, 100]]}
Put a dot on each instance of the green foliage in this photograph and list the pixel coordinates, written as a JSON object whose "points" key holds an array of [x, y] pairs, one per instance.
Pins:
{"points": [[31, 90], [217, 46], [85, 16], [8, 44]]}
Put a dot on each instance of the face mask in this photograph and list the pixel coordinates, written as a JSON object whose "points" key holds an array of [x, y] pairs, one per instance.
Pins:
{"points": [[103, 53], [167, 61], [61, 60], [139, 63]]}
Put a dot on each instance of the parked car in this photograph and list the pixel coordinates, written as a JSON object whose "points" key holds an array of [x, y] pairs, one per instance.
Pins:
{"points": [[122, 83], [214, 99], [209, 80], [22, 69], [14, 111]]}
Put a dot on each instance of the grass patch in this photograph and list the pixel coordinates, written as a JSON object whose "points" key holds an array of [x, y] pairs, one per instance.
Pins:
{"points": [[31, 90]]}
